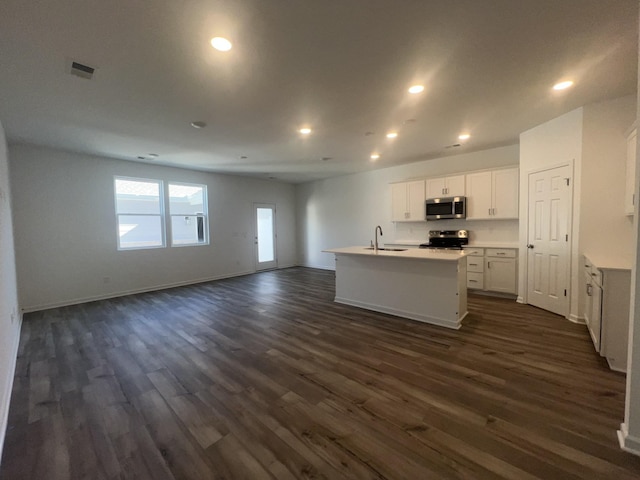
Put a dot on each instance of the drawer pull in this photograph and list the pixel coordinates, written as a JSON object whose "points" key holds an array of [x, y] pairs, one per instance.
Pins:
{"points": [[500, 253]]}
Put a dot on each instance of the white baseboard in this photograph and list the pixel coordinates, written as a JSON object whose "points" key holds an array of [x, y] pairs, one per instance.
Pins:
{"points": [[441, 322], [319, 267], [576, 319], [8, 388], [628, 443], [76, 301], [520, 299]]}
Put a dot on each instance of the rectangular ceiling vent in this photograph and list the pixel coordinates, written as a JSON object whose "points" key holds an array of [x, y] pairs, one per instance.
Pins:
{"points": [[82, 71]]}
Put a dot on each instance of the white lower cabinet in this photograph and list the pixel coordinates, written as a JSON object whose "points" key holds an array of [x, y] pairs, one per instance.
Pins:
{"points": [[606, 311], [492, 269], [500, 270]]}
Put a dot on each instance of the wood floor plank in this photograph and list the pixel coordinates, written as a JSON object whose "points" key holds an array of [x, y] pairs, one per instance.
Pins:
{"points": [[265, 376]]}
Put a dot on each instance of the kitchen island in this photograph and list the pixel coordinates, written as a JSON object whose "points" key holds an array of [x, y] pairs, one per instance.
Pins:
{"points": [[420, 284]]}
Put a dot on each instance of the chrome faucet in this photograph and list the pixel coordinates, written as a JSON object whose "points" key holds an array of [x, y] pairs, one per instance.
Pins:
{"points": [[376, 233]]}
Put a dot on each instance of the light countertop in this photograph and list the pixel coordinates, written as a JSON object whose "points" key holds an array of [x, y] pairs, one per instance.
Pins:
{"points": [[609, 262], [491, 245], [415, 243], [410, 253]]}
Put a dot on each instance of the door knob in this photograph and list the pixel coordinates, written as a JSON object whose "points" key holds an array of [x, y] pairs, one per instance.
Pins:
{"points": [[529, 245]]}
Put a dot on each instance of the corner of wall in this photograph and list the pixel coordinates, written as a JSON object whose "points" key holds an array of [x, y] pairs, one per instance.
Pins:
{"points": [[10, 319]]}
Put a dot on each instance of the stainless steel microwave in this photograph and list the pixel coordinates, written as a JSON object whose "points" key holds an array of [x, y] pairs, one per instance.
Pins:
{"points": [[448, 207]]}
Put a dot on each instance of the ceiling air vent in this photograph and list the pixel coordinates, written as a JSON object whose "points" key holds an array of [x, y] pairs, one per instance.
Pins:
{"points": [[82, 71], [455, 145]]}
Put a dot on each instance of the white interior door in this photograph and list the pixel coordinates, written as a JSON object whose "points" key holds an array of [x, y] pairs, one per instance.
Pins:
{"points": [[265, 236], [548, 239]]}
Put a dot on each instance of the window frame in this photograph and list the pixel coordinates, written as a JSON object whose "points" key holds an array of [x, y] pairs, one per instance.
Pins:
{"points": [[204, 215], [161, 214]]}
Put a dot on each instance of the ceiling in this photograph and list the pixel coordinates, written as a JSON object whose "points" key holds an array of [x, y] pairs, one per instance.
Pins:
{"points": [[341, 67]]}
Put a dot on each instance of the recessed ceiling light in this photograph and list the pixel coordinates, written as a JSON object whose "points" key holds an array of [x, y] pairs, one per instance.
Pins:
{"points": [[220, 43], [392, 134], [324, 159], [464, 136], [243, 157], [154, 155], [375, 156], [305, 130], [563, 85], [416, 88], [198, 124]]}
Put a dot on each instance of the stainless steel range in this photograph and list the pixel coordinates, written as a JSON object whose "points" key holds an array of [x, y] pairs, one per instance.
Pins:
{"points": [[447, 239]]}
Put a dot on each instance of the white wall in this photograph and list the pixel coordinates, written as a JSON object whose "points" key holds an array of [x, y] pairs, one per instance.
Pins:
{"points": [[592, 139], [344, 211], [554, 143], [604, 154], [10, 319], [629, 433], [65, 228]]}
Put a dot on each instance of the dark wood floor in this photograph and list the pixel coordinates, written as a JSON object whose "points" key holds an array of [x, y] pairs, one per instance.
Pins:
{"points": [[265, 377]]}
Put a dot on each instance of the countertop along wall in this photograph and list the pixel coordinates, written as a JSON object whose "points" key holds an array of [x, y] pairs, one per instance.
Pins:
{"points": [[65, 228], [344, 211]]}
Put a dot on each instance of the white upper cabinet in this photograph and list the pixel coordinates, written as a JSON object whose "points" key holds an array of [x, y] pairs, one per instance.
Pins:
{"points": [[452, 186], [479, 195], [492, 195], [629, 191], [407, 201]]}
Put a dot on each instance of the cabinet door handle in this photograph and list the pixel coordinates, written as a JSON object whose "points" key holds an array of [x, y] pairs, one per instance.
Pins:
{"points": [[529, 245], [473, 264], [488, 264]]}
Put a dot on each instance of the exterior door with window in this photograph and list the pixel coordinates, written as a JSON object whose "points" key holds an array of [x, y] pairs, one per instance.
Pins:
{"points": [[265, 236], [548, 246]]}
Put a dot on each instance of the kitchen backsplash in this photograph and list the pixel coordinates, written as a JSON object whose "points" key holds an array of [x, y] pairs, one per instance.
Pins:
{"points": [[480, 231]]}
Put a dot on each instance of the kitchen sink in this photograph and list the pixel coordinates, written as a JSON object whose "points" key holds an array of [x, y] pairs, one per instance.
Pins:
{"points": [[387, 249]]}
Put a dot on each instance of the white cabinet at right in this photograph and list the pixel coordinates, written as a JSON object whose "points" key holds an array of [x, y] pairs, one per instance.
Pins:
{"points": [[492, 194], [606, 311]]}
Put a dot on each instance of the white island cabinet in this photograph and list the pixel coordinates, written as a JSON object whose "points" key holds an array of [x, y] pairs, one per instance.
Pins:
{"points": [[419, 284]]}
